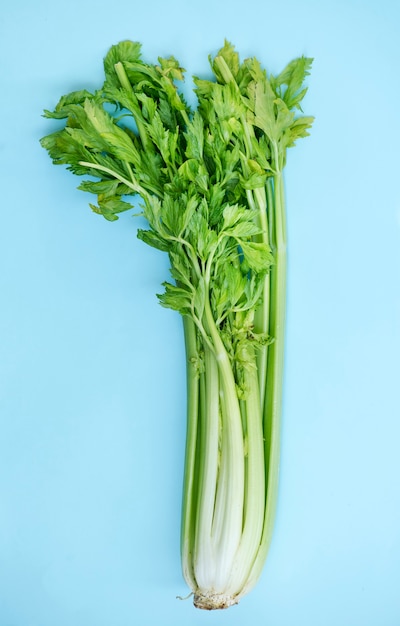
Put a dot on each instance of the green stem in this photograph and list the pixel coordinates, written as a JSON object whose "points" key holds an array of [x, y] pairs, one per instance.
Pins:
{"points": [[189, 484], [125, 84], [204, 556], [228, 512], [261, 317], [273, 399], [132, 185], [255, 479], [122, 76], [269, 187]]}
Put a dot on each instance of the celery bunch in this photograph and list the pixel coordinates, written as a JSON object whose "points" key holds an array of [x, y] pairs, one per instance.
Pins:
{"points": [[211, 184]]}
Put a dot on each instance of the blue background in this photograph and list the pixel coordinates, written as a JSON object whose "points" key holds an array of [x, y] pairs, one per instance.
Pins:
{"points": [[92, 396]]}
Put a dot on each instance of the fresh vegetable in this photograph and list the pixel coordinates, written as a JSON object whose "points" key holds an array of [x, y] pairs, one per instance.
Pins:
{"points": [[211, 184]]}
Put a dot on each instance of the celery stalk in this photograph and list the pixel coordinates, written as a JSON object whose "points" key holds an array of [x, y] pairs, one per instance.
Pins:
{"points": [[211, 184]]}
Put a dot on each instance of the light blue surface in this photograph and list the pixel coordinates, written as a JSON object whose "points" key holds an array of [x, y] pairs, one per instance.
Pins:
{"points": [[92, 397]]}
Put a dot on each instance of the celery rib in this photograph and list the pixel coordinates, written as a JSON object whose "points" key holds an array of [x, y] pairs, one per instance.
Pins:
{"points": [[211, 184]]}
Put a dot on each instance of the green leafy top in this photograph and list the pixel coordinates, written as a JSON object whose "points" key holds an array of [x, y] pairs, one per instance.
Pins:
{"points": [[195, 171]]}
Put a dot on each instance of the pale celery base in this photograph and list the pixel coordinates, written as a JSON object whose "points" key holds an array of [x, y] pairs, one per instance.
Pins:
{"points": [[210, 601]]}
